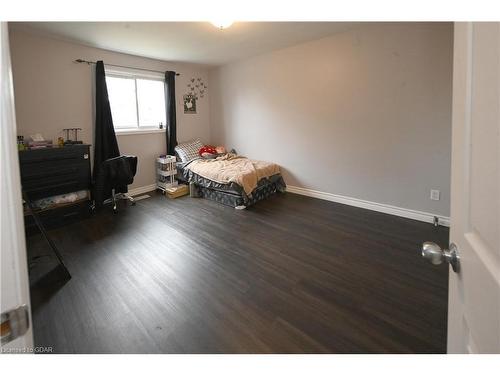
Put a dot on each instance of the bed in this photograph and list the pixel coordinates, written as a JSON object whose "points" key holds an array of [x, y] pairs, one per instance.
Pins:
{"points": [[229, 179]]}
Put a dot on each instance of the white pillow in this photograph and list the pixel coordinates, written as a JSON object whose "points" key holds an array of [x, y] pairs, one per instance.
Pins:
{"points": [[189, 150]]}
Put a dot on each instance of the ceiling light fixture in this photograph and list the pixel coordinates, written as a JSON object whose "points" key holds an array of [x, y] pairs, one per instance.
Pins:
{"points": [[222, 24]]}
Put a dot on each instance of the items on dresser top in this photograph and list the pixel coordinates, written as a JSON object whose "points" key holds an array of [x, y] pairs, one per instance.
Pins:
{"points": [[70, 141], [37, 141], [20, 143], [34, 145]]}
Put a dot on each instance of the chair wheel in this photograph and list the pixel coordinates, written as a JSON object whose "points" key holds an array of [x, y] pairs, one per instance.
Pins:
{"points": [[133, 203]]}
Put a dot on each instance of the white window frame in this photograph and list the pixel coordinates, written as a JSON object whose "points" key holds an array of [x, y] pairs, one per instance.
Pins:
{"points": [[134, 74]]}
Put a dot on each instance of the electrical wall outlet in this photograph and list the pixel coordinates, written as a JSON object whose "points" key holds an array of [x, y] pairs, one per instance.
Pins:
{"points": [[435, 195]]}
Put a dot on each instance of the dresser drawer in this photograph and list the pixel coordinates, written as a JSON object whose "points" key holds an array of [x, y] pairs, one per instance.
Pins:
{"points": [[57, 217], [69, 153], [45, 181], [54, 171]]}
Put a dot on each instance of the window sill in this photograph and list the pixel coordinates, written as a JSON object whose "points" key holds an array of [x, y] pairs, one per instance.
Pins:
{"points": [[138, 131]]}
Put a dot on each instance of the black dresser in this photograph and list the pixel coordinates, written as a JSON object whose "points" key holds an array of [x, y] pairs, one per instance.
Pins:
{"points": [[53, 171]]}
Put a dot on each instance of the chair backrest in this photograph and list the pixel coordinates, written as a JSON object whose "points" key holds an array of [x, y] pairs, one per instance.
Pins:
{"points": [[120, 170]]}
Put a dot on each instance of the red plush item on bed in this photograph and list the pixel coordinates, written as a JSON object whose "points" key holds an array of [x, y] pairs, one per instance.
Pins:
{"points": [[207, 150]]}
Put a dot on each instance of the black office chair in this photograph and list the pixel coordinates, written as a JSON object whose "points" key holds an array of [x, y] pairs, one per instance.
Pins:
{"points": [[113, 179]]}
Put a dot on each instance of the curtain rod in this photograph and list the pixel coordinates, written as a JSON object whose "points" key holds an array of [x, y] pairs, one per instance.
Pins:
{"points": [[121, 66]]}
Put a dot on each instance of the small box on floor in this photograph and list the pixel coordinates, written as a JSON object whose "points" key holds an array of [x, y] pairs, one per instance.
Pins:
{"points": [[177, 191]]}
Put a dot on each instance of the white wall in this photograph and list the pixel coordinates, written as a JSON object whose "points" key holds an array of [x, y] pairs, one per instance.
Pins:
{"points": [[52, 92], [364, 114]]}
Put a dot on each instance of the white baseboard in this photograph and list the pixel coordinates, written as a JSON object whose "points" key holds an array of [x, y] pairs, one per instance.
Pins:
{"points": [[141, 190], [380, 207], [374, 206]]}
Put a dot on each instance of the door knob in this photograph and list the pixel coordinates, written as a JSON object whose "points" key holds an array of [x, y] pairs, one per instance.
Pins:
{"points": [[436, 255]]}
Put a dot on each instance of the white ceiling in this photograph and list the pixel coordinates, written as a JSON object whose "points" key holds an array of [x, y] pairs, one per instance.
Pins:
{"points": [[195, 42]]}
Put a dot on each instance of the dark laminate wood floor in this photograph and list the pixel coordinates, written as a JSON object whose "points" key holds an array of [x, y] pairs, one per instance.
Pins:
{"points": [[289, 275]]}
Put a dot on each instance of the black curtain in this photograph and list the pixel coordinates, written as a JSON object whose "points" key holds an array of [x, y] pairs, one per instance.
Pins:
{"points": [[171, 132], [105, 145]]}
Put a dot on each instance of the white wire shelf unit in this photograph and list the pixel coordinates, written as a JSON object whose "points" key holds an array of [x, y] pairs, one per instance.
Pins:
{"points": [[165, 173]]}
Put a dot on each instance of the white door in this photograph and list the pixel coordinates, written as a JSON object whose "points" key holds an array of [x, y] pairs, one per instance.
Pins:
{"points": [[15, 285], [474, 292]]}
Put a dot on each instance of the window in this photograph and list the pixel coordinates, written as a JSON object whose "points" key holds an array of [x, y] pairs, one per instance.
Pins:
{"points": [[137, 102]]}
